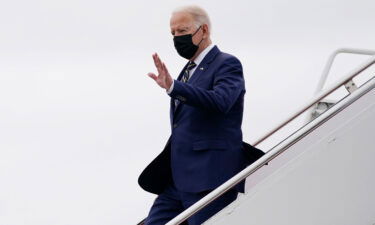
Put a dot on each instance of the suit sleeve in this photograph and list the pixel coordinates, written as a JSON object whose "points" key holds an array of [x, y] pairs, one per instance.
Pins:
{"points": [[228, 85]]}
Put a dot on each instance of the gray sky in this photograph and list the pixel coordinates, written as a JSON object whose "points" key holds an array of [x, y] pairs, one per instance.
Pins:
{"points": [[79, 118]]}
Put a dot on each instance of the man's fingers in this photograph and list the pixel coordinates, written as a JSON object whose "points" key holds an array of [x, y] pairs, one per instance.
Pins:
{"points": [[162, 67], [158, 64], [165, 68], [155, 60], [153, 76]]}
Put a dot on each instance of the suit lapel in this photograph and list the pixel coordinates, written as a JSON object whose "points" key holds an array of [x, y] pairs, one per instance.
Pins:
{"points": [[203, 66], [199, 71]]}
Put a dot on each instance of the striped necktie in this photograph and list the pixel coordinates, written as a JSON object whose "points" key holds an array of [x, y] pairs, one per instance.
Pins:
{"points": [[185, 78], [189, 67]]}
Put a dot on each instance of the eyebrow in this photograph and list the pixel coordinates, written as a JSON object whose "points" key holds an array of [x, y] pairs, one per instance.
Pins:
{"points": [[182, 28]]}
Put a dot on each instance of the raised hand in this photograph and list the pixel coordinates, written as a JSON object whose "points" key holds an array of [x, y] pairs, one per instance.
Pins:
{"points": [[163, 79]]}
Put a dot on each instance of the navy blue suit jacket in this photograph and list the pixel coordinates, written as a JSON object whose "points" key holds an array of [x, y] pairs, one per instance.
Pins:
{"points": [[205, 147]]}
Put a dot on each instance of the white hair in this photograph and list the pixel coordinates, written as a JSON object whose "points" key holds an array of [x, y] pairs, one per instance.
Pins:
{"points": [[199, 15]]}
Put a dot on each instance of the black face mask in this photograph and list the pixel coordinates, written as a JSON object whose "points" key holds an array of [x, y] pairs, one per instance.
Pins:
{"points": [[185, 46]]}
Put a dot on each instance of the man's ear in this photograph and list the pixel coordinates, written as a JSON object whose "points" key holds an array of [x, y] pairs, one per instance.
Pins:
{"points": [[205, 31]]}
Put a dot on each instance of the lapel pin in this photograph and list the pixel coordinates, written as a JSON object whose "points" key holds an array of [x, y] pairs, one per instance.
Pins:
{"points": [[201, 68]]}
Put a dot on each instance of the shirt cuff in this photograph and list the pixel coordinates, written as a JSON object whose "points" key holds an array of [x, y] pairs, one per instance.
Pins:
{"points": [[169, 91]]}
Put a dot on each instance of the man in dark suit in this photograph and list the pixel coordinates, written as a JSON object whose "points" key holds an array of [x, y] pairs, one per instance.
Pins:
{"points": [[205, 148]]}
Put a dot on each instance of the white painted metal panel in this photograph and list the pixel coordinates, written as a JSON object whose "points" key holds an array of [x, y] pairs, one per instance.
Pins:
{"points": [[326, 178]]}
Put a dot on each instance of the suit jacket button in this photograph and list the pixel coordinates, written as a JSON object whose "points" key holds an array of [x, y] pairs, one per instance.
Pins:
{"points": [[174, 125]]}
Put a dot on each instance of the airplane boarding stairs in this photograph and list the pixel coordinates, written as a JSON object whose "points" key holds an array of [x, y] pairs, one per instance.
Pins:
{"points": [[322, 174], [325, 177]]}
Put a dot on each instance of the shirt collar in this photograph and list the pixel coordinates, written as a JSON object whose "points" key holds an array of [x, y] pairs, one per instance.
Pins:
{"points": [[201, 56]]}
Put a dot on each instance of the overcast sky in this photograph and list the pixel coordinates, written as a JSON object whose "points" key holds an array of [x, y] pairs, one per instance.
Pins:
{"points": [[79, 118]]}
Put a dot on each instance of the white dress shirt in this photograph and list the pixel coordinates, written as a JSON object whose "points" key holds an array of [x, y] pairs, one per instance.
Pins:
{"points": [[197, 61]]}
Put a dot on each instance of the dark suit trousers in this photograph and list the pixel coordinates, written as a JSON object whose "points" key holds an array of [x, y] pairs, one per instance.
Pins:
{"points": [[172, 202]]}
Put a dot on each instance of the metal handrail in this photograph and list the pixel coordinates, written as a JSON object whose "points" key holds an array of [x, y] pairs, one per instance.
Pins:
{"points": [[320, 86], [274, 153], [332, 58]]}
